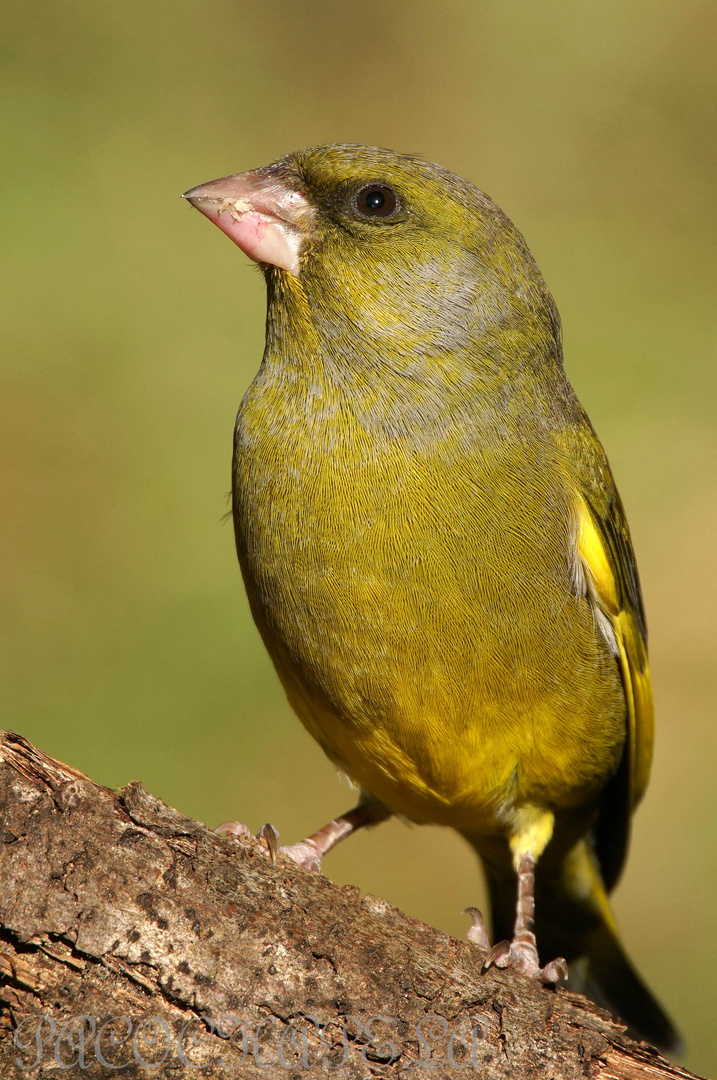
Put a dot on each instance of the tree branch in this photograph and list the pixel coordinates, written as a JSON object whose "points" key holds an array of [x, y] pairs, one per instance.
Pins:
{"points": [[210, 957]]}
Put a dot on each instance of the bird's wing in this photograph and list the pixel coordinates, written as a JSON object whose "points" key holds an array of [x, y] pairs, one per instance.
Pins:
{"points": [[613, 586]]}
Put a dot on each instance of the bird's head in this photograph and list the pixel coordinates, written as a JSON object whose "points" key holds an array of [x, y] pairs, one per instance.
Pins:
{"points": [[386, 250]]}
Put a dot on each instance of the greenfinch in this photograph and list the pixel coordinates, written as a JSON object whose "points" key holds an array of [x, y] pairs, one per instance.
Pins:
{"points": [[433, 547]]}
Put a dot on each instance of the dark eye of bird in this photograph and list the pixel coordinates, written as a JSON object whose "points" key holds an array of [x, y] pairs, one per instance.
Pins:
{"points": [[377, 201]]}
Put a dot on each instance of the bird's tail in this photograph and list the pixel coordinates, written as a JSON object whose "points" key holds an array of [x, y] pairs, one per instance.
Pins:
{"points": [[610, 979], [573, 919]]}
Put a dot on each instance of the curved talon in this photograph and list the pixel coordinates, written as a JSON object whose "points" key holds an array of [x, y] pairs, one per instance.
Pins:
{"points": [[233, 828], [477, 932], [498, 956], [270, 836], [305, 854], [554, 972]]}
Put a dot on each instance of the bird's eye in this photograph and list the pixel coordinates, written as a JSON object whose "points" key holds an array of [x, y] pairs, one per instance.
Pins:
{"points": [[377, 201]]}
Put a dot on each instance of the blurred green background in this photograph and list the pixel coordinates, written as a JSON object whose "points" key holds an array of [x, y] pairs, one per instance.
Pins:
{"points": [[131, 329]]}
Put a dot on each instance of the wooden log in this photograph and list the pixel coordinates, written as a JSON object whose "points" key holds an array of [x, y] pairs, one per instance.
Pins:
{"points": [[136, 942]]}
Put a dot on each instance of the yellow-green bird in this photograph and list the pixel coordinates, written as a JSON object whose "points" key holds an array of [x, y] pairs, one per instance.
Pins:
{"points": [[433, 546]]}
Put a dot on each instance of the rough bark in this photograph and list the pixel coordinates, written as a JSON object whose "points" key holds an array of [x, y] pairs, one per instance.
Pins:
{"points": [[214, 961]]}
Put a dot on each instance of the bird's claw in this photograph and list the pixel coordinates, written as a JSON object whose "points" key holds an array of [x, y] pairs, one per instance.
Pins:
{"points": [[477, 932], [233, 828], [555, 971], [497, 956], [270, 836], [519, 955], [522, 957], [305, 854]]}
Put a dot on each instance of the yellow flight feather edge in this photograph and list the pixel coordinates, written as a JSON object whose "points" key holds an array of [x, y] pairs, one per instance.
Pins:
{"points": [[603, 584]]}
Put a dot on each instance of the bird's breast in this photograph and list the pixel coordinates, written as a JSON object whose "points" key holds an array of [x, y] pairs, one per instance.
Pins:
{"points": [[415, 596]]}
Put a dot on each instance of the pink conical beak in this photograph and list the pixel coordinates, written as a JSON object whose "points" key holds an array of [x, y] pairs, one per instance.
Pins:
{"points": [[260, 212]]}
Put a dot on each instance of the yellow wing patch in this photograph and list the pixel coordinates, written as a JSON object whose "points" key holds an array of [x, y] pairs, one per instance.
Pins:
{"points": [[603, 584]]}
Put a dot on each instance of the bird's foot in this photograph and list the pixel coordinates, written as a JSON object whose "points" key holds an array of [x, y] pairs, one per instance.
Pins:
{"points": [[305, 854], [308, 853], [523, 957], [520, 954]]}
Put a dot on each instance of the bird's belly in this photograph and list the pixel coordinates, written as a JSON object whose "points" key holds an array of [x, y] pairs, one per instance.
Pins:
{"points": [[442, 740], [449, 671]]}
